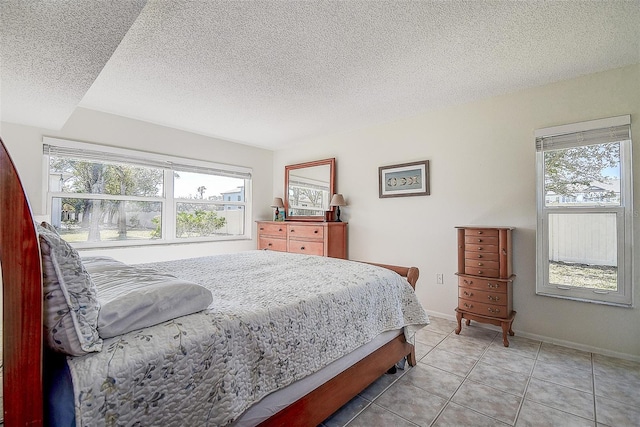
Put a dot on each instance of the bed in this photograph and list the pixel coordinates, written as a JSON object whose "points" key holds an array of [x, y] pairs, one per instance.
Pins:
{"points": [[325, 369]]}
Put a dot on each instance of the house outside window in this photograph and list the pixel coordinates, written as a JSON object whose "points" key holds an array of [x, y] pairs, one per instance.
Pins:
{"points": [[585, 211], [100, 196]]}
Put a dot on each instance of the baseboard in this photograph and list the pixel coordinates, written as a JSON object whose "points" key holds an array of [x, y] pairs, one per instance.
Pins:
{"points": [[564, 343]]}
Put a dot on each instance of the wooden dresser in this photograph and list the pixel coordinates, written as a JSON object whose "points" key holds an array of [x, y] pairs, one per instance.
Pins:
{"points": [[304, 237], [485, 277]]}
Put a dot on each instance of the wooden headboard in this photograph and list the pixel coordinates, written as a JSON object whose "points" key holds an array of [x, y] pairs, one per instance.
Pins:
{"points": [[22, 301]]}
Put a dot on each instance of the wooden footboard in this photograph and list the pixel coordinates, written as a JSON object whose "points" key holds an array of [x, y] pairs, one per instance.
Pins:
{"points": [[319, 404]]}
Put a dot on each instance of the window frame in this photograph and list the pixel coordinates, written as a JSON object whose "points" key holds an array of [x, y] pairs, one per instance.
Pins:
{"points": [[624, 220], [168, 164]]}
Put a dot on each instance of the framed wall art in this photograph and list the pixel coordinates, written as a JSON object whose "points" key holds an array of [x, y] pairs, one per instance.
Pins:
{"points": [[407, 179]]}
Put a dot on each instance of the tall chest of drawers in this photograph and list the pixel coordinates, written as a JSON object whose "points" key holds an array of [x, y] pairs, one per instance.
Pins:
{"points": [[305, 237], [485, 277]]}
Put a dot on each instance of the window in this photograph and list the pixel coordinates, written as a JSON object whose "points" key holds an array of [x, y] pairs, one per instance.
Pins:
{"points": [[585, 211], [103, 196]]}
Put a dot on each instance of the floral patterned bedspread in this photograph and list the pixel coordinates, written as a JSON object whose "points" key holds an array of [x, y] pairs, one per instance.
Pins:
{"points": [[275, 318]]}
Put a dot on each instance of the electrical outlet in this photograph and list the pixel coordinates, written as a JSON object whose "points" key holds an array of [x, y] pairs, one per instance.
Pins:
{"points": [[440, 279]]}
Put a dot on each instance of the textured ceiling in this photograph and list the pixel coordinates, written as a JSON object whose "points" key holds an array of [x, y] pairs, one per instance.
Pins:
{"points": [[51, 53], [272, 73]]}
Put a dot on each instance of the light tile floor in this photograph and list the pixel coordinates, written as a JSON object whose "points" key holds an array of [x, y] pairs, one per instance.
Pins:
{"points": [[471, 379]]}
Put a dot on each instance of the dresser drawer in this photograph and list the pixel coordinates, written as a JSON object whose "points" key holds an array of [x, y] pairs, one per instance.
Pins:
{"points": [[306, 232], [487, 297], [481, 240], [484, 309], [488, 232], [477, 247], [306, 247], [483, 284], [265, 242], [487, 256], [480, 271], [272, 229], [481, 263]]}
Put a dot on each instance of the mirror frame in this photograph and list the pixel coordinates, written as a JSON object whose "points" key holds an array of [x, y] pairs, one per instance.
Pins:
{"points": [[332, 179]]}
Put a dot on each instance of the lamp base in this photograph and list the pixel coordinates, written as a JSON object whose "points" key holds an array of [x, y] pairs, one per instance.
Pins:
{"points": [[338, 214]]}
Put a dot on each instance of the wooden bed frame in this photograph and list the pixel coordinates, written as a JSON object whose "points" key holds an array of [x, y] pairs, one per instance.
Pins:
{"points": [[22, 325]]}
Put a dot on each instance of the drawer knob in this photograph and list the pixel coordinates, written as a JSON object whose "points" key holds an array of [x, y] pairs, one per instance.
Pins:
{"points": [[479, 272], [480, 264], [270, 244], [468, 294], [493, 285], [261, 228], [479, 240], [479, 248], [493, 310], [302, 248], [479, 232], [468, 282], [315, 231], [293, 231], [279, 229], [479, 256], [468, 305], [492, 298]]}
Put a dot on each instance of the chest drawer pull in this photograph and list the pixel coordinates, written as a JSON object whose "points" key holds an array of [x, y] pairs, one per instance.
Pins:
{"points": [[270, 244], [479, 256], [493, 285], [493, 310], [492, 298], [480, 264], [469, 306], [315, 231], [302, 248], [468, 282], [468, 294]]}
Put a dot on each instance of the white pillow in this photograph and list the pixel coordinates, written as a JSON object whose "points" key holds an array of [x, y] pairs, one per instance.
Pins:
{"points": [[70, 303], [134, 297]]}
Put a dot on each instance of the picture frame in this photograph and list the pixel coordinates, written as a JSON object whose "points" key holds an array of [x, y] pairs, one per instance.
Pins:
{"points": [[403, 180]]}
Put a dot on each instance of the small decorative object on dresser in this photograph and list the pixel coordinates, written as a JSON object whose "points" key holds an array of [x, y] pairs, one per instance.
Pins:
{"points": [[485, 277], [278, 203], [337, 200], [311, 238]]}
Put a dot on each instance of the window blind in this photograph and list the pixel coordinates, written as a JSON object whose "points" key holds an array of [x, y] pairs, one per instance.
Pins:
{"points": [[112, 155], [590, 137]]}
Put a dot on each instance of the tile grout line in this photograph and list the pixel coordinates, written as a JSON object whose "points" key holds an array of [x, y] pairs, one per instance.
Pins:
{"points": [[435, 419], [371, 402], [466, 377], [593, 385], [526, 387]]}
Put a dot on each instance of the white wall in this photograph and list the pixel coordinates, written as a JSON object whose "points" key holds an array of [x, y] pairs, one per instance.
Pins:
{"points": [[25, 147], [482, 160]]}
